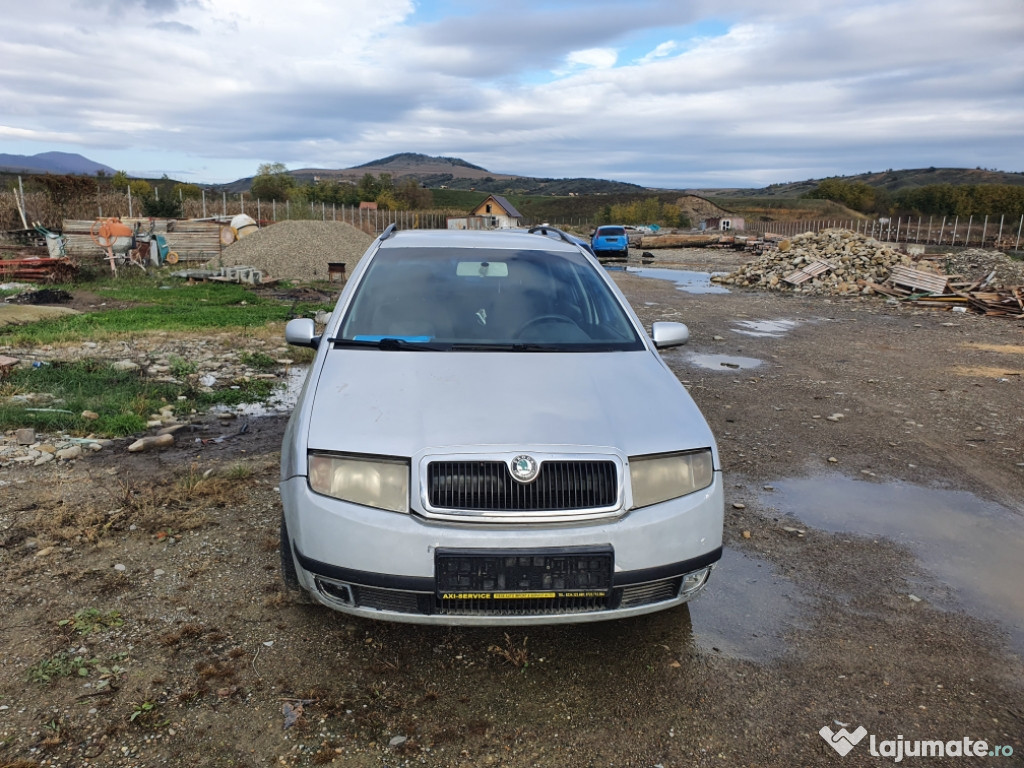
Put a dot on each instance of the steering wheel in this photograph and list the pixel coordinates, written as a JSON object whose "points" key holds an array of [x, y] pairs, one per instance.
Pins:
{"points": [[543, 319]]}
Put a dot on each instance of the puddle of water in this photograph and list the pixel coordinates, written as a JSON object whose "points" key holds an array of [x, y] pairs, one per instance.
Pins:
{"points": [[689, 282], [973, 546], [281, 401], [771, 329], [721, 362], [745, 609]]}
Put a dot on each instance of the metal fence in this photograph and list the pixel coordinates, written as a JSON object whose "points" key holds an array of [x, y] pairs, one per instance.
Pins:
{"points": [[1000, 232]]}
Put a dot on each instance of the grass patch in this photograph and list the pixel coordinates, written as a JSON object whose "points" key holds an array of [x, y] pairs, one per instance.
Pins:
{"points": [[66, 664], [87, 621], [259, 360], [123, 399], [155, 305]]}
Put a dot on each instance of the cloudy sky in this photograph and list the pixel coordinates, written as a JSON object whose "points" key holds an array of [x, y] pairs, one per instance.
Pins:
{"points": [[665, 93]]}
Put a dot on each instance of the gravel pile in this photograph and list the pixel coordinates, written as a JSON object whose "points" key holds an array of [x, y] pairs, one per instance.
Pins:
{"points": [[977, 264], [853, 257], [299, 250]]}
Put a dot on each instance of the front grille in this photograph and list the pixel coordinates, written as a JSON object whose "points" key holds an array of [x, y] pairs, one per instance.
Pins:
{"points": [[483, 606], [488, 486]]}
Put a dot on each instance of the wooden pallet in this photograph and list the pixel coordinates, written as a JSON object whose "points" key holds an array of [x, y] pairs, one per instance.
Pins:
{"points": [[806, 272], [36, 270], [918, 280]]}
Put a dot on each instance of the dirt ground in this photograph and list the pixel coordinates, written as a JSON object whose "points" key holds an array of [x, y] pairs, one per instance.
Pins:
{"points": [[874, 459]]}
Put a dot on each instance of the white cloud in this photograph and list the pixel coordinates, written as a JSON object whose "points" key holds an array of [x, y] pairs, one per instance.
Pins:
{"points": [[660, 51], [598, 58], [787, 88]]}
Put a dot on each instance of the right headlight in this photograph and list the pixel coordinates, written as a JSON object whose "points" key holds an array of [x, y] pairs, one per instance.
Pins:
{"points": [[373, 482], [668, 476]]}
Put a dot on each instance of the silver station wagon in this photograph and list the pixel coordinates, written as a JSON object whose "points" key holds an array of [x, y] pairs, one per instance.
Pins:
{"points": [[487, 435]]}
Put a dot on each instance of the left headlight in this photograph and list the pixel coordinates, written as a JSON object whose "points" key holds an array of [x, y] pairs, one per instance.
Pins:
{"points": [[372, 482], [668, 476]]}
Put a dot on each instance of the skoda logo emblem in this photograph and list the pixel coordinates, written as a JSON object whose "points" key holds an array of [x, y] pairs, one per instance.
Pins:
{"points": [[525, 468]]}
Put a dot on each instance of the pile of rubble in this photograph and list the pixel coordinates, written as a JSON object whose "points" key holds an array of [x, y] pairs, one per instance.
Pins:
{"points": [[829, 262], [995, 270], [25, 446]]}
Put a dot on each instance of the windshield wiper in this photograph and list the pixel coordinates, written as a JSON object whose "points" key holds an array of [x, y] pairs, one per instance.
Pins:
{"points": [[391, 344]]}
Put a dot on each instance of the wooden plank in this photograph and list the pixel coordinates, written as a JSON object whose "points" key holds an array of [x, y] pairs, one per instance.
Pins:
{"points": [[678, 241], [806, 272], [918, 280]]}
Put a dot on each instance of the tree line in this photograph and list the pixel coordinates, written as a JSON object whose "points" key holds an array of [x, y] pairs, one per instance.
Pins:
{"points": [[928, 200], [273, 182]]}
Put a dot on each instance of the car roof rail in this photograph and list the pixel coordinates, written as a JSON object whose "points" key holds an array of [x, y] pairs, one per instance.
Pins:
{"points": [[543, 229], [388, 231]]}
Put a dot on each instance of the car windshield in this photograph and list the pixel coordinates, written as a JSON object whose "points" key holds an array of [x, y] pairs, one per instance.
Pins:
{"points": [[611, 232], [485, 299]]}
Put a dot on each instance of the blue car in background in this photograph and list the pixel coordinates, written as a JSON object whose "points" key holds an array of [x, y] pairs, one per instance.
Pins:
{"points": [[610, 242]]}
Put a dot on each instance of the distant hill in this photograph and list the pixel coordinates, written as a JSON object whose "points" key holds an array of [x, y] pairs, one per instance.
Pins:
{"points": [[52, 162], [452, 173], [405, 160], [890, 180]]}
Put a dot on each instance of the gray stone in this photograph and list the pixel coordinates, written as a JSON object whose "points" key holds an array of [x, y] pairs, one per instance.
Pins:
{"points": [[25, 436], [67, 454], [153, 441]]}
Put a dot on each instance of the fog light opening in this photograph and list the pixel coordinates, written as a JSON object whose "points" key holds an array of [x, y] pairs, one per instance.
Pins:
{"points": [[694, 581], [336, 591]]}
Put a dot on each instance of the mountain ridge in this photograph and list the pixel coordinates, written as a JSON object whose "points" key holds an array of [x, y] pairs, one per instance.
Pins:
{"points": [[456, 173], [53, 162]]}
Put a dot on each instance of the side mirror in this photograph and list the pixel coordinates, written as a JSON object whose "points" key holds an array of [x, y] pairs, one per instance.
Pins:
{"points": [[302, 333], [664, 334]]}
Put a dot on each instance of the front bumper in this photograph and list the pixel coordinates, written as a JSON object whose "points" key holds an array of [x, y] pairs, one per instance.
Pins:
{"points": [[381, 565]]}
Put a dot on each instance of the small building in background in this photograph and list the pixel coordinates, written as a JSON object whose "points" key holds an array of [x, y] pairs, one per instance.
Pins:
{"points": [[723, 223], [497, 213]]}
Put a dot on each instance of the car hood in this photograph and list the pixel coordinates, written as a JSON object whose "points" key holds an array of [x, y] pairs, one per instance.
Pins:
{"points": [[399, 403]]}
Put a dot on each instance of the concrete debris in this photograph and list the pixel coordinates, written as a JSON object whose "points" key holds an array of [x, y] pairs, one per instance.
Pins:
{"points": [[993, 270], [829, 262]]}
